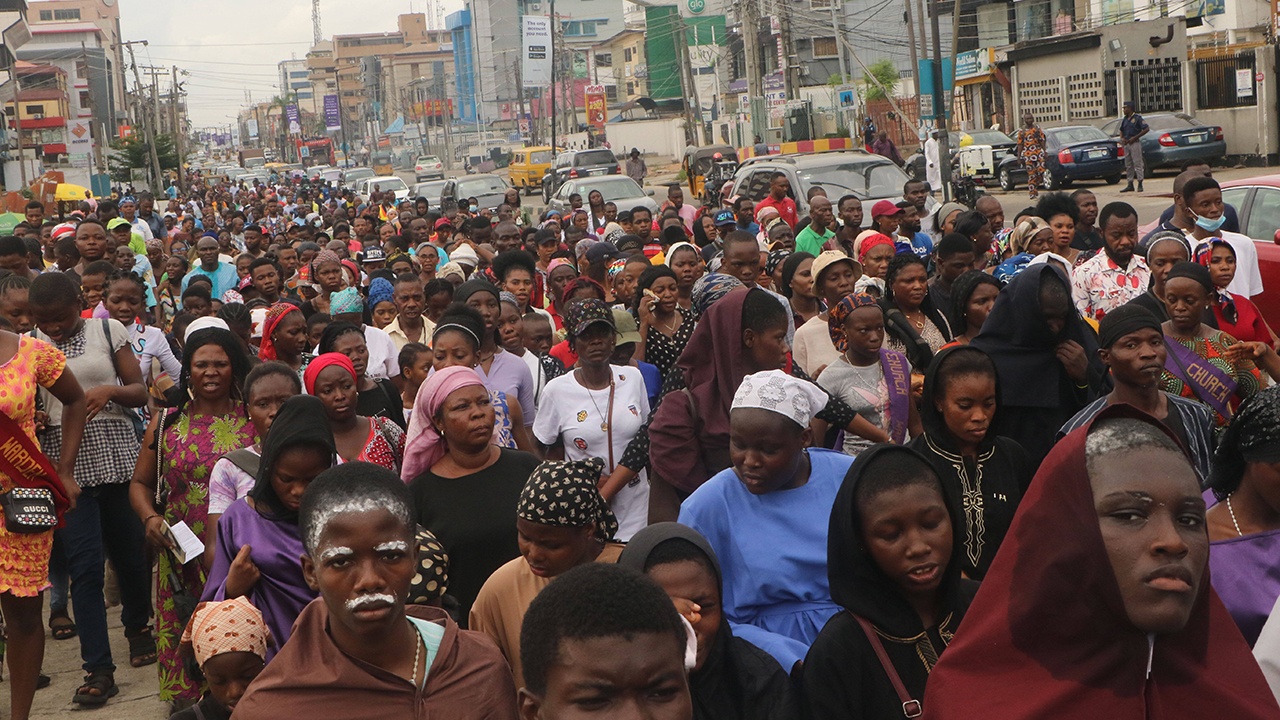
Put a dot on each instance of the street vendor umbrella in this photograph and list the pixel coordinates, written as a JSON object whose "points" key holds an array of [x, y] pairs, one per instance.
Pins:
{"points": [[66, 192], [8, 221]]}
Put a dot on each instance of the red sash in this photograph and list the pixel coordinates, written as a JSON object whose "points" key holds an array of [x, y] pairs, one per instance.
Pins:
{"points": [[27, 466]]}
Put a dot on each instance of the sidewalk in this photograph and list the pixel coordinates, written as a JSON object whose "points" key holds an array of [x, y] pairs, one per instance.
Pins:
{"points": [[139, 697]]}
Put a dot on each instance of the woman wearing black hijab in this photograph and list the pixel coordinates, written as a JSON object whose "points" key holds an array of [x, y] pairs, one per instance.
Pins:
{"points": [[732, 679], [893, 565], [1046, 355]]}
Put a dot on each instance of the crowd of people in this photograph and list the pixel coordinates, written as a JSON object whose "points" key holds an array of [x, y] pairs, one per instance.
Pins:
{"points": [[348, 457]]}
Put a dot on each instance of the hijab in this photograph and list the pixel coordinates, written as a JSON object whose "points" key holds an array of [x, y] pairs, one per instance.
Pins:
{"points": [[300, 421], [321, 362], [1018, 340], [1048, 635], [564, 493], [713, 362], [267, 346]]}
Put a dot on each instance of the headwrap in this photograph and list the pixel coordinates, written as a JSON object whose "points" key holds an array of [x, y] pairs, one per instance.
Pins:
{"points": [[940, 217], [380, 290], [321, 362], [1149, 243], [464, 255], [431, 577], [325, 256], [345, 301], [1009, 269], [1021, 235], [671, 251], [1063, 264], [776, 257], [615, 267], [838, 314], [1250, 437], [451, 268], [584, 313], [560, 262], [776, 391], [62, 230], [473, 286], [509, 297], [709, 288], [565, 493], [425, 445], [763, 212], [350, 265], [1190, 270], [1222, 296], [204, 323], [397, 257], [873, 241], [1127, 318], [267, 348], [226, 626], [867, 282], [232, 297], [301, 422], [583, 246]]}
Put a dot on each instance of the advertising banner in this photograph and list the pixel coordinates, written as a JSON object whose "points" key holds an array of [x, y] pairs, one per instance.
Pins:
{"points": [[597, 109], [295, 121], [535, 68], [332, 119]]}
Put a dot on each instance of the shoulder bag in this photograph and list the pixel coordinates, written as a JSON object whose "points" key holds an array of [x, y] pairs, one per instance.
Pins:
{"points": [[911, 708]]}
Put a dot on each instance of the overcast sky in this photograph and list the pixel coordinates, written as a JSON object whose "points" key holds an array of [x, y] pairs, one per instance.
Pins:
{"points": [[232, 46]]}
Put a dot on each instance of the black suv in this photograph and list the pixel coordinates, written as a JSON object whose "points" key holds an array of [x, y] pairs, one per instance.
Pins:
{"points": [[576, 164]]}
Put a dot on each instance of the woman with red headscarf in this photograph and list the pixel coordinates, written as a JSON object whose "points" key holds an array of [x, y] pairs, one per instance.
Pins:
{"points": [[1099, 602], [284, 337], [332, 378]]}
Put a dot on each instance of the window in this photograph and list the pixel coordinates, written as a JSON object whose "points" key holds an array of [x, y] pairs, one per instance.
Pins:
{"points": [[820, 4], [46, 15], [33, 111], [82, 68], [1264, 211], [85, 103], [72, 14], [604, 59], [611, 93], [825, 47], [626, 54], [631, 88]]}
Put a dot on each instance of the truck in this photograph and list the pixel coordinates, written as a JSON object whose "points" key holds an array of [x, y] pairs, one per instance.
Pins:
{"points": [[252, 158]]}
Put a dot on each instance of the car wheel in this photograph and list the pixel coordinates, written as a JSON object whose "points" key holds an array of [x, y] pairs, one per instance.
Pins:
{"points": [[1112, 179], [1006, 179], [1051, 182]]}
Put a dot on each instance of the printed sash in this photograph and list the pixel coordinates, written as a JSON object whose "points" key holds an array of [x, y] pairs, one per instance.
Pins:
{"points": [[897, 376], [26, 466], [1210, 384]]}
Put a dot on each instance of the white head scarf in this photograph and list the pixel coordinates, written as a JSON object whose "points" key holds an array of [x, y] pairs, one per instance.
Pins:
{"points": [[204, 323], [778, 392]]}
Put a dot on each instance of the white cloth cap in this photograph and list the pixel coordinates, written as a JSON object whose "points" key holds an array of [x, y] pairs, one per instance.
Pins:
{"points": [[204, 323], [776, 391], [1043, 258], [464, 255]]}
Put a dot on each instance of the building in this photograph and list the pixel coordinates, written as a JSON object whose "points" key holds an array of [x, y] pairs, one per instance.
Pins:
{"points": [[295, 82], [41, 110], [83, 38], [620, 66], [418, 72]]}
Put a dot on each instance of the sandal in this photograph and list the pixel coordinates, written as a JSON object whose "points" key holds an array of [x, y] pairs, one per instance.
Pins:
{"points": [[43, 681], [61, 626], [98, 687], [142, 647]]}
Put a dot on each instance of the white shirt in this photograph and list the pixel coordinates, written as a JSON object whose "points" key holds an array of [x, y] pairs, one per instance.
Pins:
{"points": [[384, 357], [1248, 279], [933, 173], [572, 414], [141, 227]]}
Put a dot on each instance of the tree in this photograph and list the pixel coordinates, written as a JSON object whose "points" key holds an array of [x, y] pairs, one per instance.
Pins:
{"points": [[132, 152], [886, 73]]}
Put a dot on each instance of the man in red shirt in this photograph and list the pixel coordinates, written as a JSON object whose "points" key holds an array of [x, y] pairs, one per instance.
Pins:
{"points": [[779, 190]]}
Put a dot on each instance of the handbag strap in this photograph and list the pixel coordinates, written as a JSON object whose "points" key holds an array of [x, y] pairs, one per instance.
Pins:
{"points": [[164, 415], [911, 707]]}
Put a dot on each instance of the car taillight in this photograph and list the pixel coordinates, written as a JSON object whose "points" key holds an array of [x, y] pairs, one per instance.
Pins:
{"points": [[1166, 140], [617, 169], [1065, 157], [1119, 151], [573, 173], [1217, 134]]}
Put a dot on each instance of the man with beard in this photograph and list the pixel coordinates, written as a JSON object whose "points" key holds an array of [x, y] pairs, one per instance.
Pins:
{"points": [[1087, 236], [909, 232], [1114, 276], [849, 208], [251, 236]]}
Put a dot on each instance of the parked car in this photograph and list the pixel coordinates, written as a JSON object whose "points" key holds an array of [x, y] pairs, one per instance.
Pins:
{"points": [[579, 163], [528, 166], [383, 183], [867, 176], [619, 190], [1175, 139], [427, 167], [430, 190], [354, 175], [1257, 202], [999, 142], [487, 189], [1075, 152]]}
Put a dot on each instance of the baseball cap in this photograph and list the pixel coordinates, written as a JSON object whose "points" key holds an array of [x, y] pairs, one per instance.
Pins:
{"points": [[442, 222], [585, 313], [884, 208], [602, 251], [627, 329], [373, 254], [725, 217], [827, 258]]}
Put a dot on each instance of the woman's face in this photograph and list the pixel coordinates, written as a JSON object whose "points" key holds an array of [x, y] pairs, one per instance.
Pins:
{"points": [[580, 221], [559, 278], [864, 331], [329, 276], [1162, 257], [910, 286], [294, 470], [907, 531], [1064, 231], [595, 199], [15, 308], [1041, 242], [173, 266], [766, 449], [1151, 515], [242, 266], [466, 418], [290, 336], [802, 280], [980, 303], [767, 348], [353, 345], [691, 581], [386, 231], [668, 294], [876, 262], [451, 348], [550, 551], [595, 345], [967, 405], [510, 328], [949, 222], [687, 266], [265, 398], [487, 305], [708, 226], [211, 373], [124, 301], [337, 390], [1186, 301], [383, 313], [1222, 266]]}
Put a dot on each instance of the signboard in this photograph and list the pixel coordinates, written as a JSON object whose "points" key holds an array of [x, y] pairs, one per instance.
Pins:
{"points": [[597, 109], [295, 122], [1244, 83], [926, 107], [974, 63], [535, 67], [848, 95], [79, 137], [526, 124], [252, 124], [332, 115], [124, 131]]}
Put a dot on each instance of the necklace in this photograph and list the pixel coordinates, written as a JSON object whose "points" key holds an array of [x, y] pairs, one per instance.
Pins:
{"points": [[918, 323], [1233, 517], [417, 653], [671, 326], [604, 425]]}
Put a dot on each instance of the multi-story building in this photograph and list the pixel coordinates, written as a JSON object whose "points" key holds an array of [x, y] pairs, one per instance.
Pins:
{"points": [[39, 114], [295, 81], [82, 38], [620, 65]]}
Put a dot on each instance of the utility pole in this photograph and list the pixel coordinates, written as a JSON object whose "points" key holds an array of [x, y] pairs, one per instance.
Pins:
{"points": [[791, 71], [939, 104], [515, 66], [146, 126], [911, 44], [555, 60], [342, 116], [750, 13], [176, 123], [692, 108]]}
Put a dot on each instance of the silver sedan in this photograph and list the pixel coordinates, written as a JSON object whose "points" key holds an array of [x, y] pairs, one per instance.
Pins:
{"points": [[617, 189]]}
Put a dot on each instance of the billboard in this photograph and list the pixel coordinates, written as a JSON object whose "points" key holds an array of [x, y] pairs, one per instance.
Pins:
{"points": [[332, 116], [295, 121], [597, 108], [535, 67]]}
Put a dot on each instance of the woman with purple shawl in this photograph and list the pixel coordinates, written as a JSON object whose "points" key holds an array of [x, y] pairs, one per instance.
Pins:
{"points": [[1244, 527], [259, 545]]}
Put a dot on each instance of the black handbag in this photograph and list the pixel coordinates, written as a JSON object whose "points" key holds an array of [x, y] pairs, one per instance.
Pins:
{"points": [[29, 510]]}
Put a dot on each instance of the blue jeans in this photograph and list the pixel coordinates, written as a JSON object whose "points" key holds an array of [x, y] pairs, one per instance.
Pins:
{"points": [[104, 525]]}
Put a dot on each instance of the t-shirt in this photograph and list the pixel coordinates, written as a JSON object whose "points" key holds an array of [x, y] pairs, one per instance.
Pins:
{"points": [[384, 356], [864, 389], [228, 483], [786, 208], [223, 276], [576, 416], [810, 241]]}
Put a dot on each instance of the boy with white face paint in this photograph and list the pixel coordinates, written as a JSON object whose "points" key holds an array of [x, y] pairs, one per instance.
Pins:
{"points": [[357, 651]]}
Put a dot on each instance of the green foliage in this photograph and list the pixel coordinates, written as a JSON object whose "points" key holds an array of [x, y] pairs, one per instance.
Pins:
{"points": [[886, 73], [133, 152]]}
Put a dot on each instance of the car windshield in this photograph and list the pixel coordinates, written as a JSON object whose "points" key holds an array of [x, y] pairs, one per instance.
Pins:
{"points": [[392, 184], [470, 187], [612, 188], [431, 189], [864, 178], [1172, 122], [540, 157], [428, 160], [358, 174], [990, 137], [594, 157], [1066, 136]]}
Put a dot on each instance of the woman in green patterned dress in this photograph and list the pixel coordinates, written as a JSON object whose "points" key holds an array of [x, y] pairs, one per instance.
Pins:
{"points": [[210, 421]]}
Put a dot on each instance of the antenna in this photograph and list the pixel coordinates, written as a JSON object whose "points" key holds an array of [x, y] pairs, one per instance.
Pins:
{"points": [[316, 35]]}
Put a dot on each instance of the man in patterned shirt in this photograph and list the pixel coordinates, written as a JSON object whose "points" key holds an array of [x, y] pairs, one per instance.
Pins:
{"points": [[1114, 276]]}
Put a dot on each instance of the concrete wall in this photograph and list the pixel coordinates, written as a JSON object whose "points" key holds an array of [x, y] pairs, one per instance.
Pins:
{"points": [[1252, 130], [662, 139]]}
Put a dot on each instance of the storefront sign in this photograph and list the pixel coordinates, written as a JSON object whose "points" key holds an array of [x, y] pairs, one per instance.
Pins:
{"points": [[974, 63]]}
